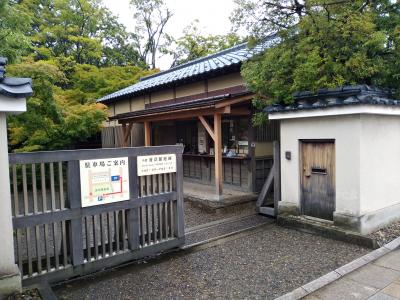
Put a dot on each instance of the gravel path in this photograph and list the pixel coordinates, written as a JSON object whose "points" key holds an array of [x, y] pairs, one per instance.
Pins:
{"points": [[225, 228], [195, 215], [265, 264]]}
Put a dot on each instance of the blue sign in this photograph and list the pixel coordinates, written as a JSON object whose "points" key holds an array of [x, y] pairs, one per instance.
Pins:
{"points": [[115, 178]]}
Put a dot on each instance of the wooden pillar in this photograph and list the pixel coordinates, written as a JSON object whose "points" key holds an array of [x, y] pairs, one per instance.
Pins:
{"points": [[147, 134], [218, 153], [124, 143]]}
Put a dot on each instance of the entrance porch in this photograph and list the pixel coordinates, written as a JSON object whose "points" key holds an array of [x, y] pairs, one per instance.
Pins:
{"points": [[225, 158]]}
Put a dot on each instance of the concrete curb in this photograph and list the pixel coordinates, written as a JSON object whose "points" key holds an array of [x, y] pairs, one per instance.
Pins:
{"points": [[322, 281]]}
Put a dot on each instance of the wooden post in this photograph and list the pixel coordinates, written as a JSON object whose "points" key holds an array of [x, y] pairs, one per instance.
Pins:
{"points": [[277, 176], [123, 135], [147, 134], [218, 153]]}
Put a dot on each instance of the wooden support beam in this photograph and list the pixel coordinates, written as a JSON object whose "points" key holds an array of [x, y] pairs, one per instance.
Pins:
{"points": [[207, 126], [234, 101], [218, 153], [126, 130], [177, 115], [147, 134]]}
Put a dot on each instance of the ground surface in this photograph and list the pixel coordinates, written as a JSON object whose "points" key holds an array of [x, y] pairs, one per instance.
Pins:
{"points": [[265, 264], [31, 294], [196, 215], [386, 234], [379, 280]]}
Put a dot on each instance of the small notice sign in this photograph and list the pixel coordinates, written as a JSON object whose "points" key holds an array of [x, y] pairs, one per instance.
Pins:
{"points": [[156, 164], [104, 181]]}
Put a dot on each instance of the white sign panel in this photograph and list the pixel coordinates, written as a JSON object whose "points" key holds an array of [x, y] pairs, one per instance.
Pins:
{"points": [[156, 164], [104, 181]]}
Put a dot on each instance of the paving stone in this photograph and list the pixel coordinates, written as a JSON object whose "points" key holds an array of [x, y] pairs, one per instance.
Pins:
{"points": [[393, 244], [344, 289], [373, 275], [382, 296], [391, 260], [392, 290], [376, 254], [294, 295], [355, 264], [320, 282]]}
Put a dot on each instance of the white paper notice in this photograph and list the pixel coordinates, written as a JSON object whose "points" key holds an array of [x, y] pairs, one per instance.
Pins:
{"points": [[104, 181], [156, 164]]}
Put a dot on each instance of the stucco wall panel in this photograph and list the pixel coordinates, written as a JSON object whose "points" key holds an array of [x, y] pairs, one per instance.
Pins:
{"points": [[345, 130], [162, 95], [225, 81], [380, 162], [190, 89], [122, 106]]}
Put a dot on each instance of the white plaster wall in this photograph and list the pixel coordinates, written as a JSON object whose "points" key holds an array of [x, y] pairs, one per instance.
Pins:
{"points": [[345, 130], [380, 162]]}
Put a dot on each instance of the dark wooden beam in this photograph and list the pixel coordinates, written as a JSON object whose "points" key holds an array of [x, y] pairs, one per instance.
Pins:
{"points": [[207, 126]]}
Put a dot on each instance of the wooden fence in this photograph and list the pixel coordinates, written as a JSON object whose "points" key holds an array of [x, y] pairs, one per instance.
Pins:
{"points": [[265, 204], [56, 238]]}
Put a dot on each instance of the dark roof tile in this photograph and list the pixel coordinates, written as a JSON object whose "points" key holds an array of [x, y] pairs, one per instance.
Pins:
{"points": [[13, 87], [347, 95], [201, 66]]}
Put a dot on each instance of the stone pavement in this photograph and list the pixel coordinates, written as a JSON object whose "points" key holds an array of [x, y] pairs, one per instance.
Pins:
{"points": [[378, 280]]}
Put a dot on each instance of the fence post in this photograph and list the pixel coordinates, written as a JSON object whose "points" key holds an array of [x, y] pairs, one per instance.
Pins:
{"points": [[277, 176], [133, 213], [74, 199], [180, 230], [10, 278]]}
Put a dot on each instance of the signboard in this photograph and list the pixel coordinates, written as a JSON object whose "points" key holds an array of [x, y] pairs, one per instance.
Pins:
{"points": [[104, 181], [156, 164]]}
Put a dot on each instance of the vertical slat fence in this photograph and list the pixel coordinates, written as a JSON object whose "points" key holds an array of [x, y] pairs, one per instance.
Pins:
{"points": [[56, 238]]}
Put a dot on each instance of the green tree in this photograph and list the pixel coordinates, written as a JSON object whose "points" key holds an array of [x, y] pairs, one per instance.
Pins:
{"points": [[151, 17], [13, 24], [84, 30], [51, 122], [193, 44], [322, 44]]}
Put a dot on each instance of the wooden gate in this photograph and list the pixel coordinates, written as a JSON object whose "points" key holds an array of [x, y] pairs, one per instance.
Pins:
{"points": [[317, 180], [56, 238]]}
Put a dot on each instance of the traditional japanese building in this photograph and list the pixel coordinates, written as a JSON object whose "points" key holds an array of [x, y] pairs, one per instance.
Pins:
{"points": [[204, 105]]}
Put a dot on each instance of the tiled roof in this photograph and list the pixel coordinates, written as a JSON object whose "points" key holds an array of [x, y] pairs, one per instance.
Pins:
{"points": [[343, 96], [228, 58], [13, 87]]}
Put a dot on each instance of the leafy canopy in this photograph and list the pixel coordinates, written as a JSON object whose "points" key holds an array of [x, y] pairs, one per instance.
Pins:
{"points": [[322, 44], [76, 52], [13, 25], [193, 44]]}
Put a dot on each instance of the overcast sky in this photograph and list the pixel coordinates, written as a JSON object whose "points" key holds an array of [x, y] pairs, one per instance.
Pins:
{"points": [[213, 16]]}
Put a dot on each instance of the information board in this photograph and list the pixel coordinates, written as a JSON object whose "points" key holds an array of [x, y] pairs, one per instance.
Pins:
{"points": [[104, 181], [156, 164]]}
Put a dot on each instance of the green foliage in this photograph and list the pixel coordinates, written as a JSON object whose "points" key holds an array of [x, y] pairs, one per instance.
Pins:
{"points": [[83, 30], [77, 53], [13, 24], [327, 45], [193, 44], [51, 122]]}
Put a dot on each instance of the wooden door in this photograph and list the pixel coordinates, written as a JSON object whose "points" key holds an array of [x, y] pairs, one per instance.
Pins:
{"points": [[318, 178]]}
